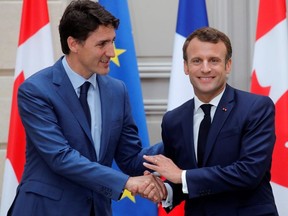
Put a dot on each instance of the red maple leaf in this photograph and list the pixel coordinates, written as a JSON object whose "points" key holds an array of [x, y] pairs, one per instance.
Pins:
{"points": [[280, 153]]}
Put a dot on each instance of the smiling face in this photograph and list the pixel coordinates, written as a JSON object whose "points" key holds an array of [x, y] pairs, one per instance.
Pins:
{"points": [[207, 68], [92, 55]]}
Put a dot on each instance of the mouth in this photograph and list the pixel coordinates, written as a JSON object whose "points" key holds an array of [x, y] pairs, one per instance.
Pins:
{"points": [[206, 79], [104, 61]]}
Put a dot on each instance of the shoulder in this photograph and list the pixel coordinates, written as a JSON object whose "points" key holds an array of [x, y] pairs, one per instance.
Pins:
{"points": [[251, 104], [181, 110], [251, 98], [38, 79], [46, 74]]}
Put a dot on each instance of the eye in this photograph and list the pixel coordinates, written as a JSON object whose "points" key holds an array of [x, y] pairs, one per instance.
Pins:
{"points": [[196, 61], [102, 44], [214, 61]]}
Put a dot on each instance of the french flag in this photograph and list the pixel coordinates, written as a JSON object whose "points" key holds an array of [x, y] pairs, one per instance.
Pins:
{"points": [[191, 16]]}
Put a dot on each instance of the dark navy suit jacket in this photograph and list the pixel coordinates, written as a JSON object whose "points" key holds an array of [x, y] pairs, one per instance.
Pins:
{"points": [[61, 175], [236, 173]]}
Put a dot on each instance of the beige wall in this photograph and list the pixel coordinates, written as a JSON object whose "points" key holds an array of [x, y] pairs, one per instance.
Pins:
{"points": [[153, 23]]}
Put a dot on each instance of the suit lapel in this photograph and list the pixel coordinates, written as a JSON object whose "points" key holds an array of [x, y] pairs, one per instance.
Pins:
{"points": [[223, 110], [67, 93], [188, 134], [107, 105]]}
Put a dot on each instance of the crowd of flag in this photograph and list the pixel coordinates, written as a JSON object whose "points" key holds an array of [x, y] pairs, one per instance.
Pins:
{"points": [[269, 77]]}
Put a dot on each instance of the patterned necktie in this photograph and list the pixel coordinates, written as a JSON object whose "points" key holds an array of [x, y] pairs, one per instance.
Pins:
{"points": [[83, 100], [203, 132]]}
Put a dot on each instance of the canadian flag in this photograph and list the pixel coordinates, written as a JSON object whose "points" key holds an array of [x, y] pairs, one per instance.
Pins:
{"points": [[34, 53], [270, 77]]}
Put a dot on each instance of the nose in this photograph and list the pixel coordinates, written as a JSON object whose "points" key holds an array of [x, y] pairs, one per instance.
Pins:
{"points": [[205, 67], [111, 50]]}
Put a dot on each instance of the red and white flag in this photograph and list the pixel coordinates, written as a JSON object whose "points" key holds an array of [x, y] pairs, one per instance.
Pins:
{"points": [[34, 53], [270, 77]]}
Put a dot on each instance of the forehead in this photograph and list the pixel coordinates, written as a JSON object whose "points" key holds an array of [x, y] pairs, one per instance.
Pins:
{"points": [[103, 33], [198, 48]]}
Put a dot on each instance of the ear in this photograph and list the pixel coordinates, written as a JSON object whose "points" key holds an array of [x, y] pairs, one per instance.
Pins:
{"points": [[228, 66], [186, 69], [72, 44]]}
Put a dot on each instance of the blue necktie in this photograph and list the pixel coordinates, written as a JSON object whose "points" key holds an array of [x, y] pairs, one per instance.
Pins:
{"points": [[203, 132], [83, 100]]}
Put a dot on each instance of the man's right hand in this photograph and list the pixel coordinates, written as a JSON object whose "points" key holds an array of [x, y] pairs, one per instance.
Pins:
{"points": [[148, 186]]}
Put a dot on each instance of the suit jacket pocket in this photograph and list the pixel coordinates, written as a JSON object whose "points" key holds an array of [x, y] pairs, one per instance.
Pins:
{"points": [[42, 189]]}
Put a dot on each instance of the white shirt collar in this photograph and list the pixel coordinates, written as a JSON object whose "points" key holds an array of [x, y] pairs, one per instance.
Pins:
{"points": [[215, 101], [75, 78]]}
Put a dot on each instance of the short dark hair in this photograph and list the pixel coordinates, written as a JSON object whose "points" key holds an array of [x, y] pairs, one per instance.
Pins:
{"points": [[80, 18], [208, 34]]}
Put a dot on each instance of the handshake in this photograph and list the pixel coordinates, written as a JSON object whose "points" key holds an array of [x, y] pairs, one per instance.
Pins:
{"points": [[150, 186]]}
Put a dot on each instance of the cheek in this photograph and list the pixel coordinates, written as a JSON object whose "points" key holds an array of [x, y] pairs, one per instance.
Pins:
{"points": [[97, 54]]}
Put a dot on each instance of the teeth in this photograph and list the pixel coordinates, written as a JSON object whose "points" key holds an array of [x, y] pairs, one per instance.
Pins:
{"points": [[103, 61]]}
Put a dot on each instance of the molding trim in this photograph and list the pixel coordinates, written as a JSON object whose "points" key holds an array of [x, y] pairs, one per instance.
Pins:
{"points": [[155, 107], [154, 69]]}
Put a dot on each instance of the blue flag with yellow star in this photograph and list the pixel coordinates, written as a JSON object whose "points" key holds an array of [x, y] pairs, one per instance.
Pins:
{"points": [[124, 67]]}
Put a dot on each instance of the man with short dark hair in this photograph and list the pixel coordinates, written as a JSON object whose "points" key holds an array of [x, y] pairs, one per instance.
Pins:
{"points": [[77, 121], [219, 144]]}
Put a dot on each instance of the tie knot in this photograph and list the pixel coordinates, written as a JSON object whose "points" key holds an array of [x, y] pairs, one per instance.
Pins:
{"points": [[206, 108], [84, 88]]}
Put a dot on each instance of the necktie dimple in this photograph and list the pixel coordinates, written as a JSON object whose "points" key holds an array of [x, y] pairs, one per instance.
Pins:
{"points": [[83, 100], [203, 132]]}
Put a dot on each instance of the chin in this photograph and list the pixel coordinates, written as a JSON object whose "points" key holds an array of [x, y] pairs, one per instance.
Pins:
{"points": [[103, 72]]}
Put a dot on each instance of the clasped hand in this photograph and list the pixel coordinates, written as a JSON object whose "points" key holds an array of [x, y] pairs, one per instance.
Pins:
{"points": [[165, 167], [148, 186]]}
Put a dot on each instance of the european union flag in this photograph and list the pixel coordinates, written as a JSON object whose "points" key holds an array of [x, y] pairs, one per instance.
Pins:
{"points": [[125, 68]]}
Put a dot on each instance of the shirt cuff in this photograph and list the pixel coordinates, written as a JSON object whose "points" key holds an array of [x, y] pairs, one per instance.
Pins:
{"points": [[184, 182], [169, 199]]}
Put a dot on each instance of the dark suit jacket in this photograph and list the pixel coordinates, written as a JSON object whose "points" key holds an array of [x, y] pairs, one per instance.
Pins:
{"points": [[61, 175], [236, 173]]}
